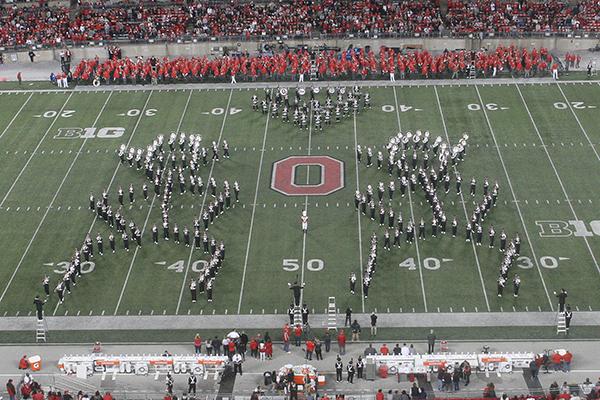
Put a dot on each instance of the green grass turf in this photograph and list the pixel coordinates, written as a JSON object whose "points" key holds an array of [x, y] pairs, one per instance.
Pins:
{"points": [[253, 278]]}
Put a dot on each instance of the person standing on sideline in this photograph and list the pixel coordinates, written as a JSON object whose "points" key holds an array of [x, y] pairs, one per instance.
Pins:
{"points": [[31, 55], [350, 369], [192, 383], [19, 77], [568, 317], [327, 341], [286, 338], [430, 342], [39, 307], [355, 327], [11, 390], [360, 365], [342, 342], [348, 319], [373, 324], [197, 345], [338, 369], [562, 298], [237, 363]]}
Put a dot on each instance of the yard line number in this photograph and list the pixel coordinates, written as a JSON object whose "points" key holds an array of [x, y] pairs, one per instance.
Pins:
{"points": [[401, 108], [545, 261], [179, 265], [579, 105], [293, 264], [62, 267], [488, 106], [430, 263], [53, 113]]}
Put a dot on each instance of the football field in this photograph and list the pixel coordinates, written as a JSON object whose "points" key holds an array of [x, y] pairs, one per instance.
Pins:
{"points": [[540, 141]]}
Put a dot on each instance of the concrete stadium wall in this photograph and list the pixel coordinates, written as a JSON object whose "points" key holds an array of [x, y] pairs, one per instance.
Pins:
{"points": [[559, 45]]}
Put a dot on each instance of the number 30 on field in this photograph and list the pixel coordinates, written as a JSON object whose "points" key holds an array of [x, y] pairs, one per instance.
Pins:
{"points": [[293, 264]]}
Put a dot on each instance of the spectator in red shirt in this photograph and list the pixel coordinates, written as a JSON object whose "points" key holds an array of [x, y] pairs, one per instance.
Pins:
{"points": [[310, 347], [341, 339], [298, 335], [197, 344], [23, 363], [383, 350], [556, 361], [11, 390], [566, 361], [379, 395]]}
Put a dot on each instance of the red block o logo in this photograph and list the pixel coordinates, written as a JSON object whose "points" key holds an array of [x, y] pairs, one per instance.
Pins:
{"points": [[284, 171]]}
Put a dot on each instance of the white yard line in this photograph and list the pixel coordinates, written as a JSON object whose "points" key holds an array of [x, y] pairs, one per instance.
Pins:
{"points": [[578, 121], [62, 182], [35, 150], [556, 173], [137, 123], [154, 197], [303, 260], [15, 116], [514, 198], [358, 218], [212, 166], [487, 303], [260, 163], [412, 214]]}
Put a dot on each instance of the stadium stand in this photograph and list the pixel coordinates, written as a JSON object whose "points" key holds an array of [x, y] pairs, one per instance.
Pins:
{"points": [[56, 25]]}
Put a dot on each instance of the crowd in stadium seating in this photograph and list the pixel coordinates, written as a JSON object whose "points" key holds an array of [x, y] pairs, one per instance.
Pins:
{"points": [[352, 63], [55, 25]]}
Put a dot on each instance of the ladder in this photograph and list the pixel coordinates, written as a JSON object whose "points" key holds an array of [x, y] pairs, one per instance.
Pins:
{"points": [[561, 323], [40, 330], [297, 315], [331, 314]]}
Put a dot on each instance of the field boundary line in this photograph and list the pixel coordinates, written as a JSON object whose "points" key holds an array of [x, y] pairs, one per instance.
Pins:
{"points": [[260, 163], [412, 214], [34, 151], [15, 116], [578, 123], [116, 169], [487, 303], [210, 173], [360, 250], [147, 216], [556, 173], [62, 182], [529, 242]]}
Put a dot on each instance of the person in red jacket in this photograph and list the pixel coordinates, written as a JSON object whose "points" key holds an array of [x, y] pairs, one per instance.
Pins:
{"points": [[310, 347], [379, 395], [254, 348], [298, 335], [269, 349], [107, 396], [197, 344], [556, 361], [342, 342], [566, 359], [23, 363], [383, 350], [11, 390]]}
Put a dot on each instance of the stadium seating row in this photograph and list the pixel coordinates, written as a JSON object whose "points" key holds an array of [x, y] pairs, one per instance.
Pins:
{"points": [[48, 25]]}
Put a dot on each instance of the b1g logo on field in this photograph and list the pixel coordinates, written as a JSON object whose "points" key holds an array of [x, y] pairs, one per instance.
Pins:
{"points": [[576, 228], [89, 133], [331, 178]]}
